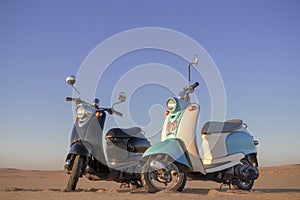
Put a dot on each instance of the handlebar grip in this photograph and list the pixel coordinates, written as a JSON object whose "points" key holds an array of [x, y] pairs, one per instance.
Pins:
{"points": [[118, 113], [196, 84], [69, 99]]}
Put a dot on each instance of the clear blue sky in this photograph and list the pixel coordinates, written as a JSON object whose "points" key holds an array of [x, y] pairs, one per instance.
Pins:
{"points": [[255, 45]]}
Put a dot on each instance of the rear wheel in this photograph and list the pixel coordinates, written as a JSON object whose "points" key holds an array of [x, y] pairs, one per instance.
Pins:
{"points": [[244, 185], [172, 177], [75, 173]]}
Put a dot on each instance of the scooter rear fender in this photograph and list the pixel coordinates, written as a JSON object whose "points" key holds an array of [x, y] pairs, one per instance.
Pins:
{"points": [[172, 147]]}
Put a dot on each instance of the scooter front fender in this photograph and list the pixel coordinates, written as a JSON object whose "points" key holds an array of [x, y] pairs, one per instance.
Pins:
{"points": [[78, 149], [172, 147]]}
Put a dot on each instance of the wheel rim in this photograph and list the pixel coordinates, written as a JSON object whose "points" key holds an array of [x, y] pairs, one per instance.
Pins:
{"points": [[245, 184], [164, 179]]}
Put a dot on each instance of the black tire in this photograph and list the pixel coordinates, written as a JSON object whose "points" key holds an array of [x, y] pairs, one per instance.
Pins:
{"points": [[149, 175], [244, 185], [75, 173]]}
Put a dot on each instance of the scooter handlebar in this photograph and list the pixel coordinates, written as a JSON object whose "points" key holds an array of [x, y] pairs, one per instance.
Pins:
{"points": [[118, 113], [112, 111], [69, 99], [196, 84]]}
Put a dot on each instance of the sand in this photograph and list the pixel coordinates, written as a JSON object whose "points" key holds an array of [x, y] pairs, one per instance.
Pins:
{"points": [[274, 183]]}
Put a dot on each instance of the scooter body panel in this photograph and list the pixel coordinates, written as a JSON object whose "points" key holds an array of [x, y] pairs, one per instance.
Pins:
{"points": [[172, 147], [240, 142], [173, 120], [218, 145], [181, 124], [90, 134], [224, 150], [187, 133], [214, 145], [222, 163]]}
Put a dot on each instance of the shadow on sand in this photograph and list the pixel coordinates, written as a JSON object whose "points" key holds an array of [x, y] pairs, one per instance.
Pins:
{"points": [[142, 191], [209, 191], [277, 190]]}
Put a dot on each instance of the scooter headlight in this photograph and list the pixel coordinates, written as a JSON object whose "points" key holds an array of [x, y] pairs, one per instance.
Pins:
{"points": [[171, 104], [80, 112]]}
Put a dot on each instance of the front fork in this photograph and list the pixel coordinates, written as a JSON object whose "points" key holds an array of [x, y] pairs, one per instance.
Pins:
{"points": [[70, 161], [69, 164], [76, 149]]}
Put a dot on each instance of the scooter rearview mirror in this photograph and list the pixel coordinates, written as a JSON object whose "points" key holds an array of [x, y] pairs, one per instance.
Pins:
{"points": [[71, 80], [122, 97], [196, 60]]}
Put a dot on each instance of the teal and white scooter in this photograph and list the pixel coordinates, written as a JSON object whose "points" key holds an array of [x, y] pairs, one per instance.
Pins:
{"points": [[229, 150]]}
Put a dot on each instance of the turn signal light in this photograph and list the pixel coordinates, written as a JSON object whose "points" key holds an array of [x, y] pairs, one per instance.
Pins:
{"points": [[191, 108], [98, 114], [167, 112], [76, 119]]}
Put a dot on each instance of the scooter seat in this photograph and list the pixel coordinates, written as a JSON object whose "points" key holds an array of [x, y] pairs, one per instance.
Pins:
{"points": [[222, 127], [124, 133]]}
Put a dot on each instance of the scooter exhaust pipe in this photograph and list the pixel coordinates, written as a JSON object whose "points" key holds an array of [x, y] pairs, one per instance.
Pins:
{"points": [[157, 165]]}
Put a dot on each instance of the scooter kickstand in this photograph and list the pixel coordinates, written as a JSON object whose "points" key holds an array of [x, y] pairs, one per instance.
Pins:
{"points": [[229, 185], [220, 188]]}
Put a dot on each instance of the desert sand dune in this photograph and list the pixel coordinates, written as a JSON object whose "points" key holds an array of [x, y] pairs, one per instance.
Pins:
{"points": [[274, 183]]}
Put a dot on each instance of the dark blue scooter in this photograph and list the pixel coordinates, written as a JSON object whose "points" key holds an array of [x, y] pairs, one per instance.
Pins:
{"points": [[124, 147]]}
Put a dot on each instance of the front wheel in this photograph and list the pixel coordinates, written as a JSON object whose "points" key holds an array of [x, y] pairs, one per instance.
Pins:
{"points": [[171, 177], [75, 173]]}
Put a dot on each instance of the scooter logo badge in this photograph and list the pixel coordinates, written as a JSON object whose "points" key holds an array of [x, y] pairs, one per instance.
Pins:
{"points": [[171, 127]]}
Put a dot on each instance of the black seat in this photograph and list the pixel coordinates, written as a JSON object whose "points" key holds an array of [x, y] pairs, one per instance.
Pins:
{"points": [[222, 127], [124, 133]]}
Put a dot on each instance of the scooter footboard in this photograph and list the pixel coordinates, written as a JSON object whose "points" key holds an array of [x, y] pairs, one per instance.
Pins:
{"points": [[172, 147]]}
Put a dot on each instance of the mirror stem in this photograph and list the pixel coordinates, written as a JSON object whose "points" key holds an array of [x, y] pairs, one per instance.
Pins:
{"points": [[116, 103], [76, 90], [189, 75]]}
